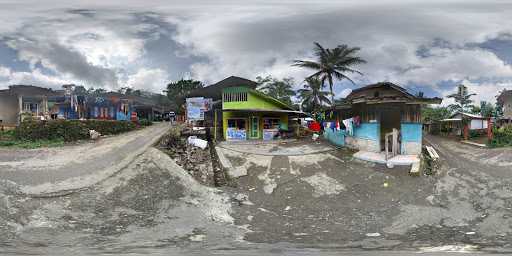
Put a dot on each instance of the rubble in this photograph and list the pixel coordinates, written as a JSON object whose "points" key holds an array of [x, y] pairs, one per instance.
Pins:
{"points": [[194, 155]]}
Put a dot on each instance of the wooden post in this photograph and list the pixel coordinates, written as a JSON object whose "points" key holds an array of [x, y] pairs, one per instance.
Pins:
{"points": [[466, 132], [215, 125], [489, 129]]}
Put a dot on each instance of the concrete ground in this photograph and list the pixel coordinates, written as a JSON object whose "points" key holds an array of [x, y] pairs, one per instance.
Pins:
{"points": [[325, 203], [330, 198], [51, 170]]}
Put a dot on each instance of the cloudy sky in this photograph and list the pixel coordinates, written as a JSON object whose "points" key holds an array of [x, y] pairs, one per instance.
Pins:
{"points": [[145, 44]]}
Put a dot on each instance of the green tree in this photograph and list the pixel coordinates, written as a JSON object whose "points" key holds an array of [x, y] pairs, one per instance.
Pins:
{"points": [[279, 89], [431, 114], [332, 64], [312, 97], [487, 109], [462, 100], [178, 90]]}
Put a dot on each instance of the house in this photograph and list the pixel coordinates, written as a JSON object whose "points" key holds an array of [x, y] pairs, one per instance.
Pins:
{"points": [[111, 106], [251, 114], [237, 111], [461, 124], [67, 105], [382, 118], [24, 101], [146, 108], [505, 100]]}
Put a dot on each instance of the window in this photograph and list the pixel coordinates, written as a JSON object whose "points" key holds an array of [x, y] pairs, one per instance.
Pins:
{"points": [[235, 96], [236, 123], [30, 107], [271, 123]]}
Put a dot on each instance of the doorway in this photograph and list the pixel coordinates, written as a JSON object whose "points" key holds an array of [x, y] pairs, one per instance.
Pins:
{"points": [[390, 118], [255, 127]]}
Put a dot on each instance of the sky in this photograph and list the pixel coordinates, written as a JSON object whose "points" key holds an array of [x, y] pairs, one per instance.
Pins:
{"points": [[429, 47]]}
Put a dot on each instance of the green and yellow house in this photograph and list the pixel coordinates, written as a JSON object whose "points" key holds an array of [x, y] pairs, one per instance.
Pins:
{"points": [[249, 114]]}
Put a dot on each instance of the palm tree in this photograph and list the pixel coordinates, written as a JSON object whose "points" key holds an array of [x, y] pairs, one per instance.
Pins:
{"points": [[332, 64], [462, 99], [312, 95]]}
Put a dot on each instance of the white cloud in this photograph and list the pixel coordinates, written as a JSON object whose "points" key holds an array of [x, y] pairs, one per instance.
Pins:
{"points": [[36, 77], [260, 38], [153, 80]]}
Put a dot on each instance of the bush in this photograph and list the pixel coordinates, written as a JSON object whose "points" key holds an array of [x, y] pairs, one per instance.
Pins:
{"points": [[145, 122], [69, 130], [502, 137], [108, 127]]}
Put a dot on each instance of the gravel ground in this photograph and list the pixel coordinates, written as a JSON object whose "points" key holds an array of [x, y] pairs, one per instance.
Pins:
{"points": [[325, 203], [330, 198]]}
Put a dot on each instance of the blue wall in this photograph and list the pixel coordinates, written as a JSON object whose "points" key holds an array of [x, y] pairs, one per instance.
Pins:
{"points": [[335, 137], [411, 132], [370, 131], [122, 117]]}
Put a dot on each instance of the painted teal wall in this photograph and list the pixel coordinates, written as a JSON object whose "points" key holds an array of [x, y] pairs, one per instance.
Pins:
{"points": [[411, 132], [370, 131], [335, 137]]}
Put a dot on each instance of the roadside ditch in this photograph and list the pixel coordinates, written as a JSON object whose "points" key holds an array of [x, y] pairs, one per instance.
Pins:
{"points": [[202, 164]]}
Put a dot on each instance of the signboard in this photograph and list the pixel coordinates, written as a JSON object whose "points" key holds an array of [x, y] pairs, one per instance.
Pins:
{"points": [[236, 134], [196, 107]]}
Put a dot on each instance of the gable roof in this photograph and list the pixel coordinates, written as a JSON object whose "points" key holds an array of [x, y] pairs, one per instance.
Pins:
{"points": [[472, 116], [214, 91], [400, 95], [30, 90], [503, 95], [272, 99]]}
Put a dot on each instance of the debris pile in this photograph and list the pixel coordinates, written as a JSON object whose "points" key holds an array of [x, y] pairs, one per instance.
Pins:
{"points": [[430, 160], [195, 160]]}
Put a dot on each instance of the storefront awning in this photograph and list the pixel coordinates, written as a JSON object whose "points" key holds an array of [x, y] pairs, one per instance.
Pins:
{"points": [[300, 113]]}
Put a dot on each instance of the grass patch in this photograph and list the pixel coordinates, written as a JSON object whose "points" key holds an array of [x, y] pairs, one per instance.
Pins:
{"points": [[8, 139], [32, 144]]}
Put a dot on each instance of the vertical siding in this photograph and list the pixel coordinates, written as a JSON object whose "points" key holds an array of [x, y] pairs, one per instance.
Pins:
{"points": [[411, 132]]}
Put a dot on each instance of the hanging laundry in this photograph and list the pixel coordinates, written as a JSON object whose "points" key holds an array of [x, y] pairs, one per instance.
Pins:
{"points": [[349, 124], [332, 125], [357, 121]]}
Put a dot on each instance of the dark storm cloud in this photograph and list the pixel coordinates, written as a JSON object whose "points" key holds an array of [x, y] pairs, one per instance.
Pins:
{"points": [[423, 46], [65, 61]]}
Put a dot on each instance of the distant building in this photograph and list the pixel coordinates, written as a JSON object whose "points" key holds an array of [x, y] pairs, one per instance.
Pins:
{"points": [[505, 100], [461, 123], [111, 106], [24, 101]]}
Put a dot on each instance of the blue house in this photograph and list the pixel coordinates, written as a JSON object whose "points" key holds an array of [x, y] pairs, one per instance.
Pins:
{"points": [[381, 118], [110, 106]]}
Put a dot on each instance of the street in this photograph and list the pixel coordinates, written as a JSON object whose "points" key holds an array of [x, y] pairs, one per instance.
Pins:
{"points": [[50, 170], [323, 200]]}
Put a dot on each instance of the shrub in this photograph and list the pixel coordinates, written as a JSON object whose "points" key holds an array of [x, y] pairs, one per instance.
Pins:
{"points": [[145, 122], [69, 130], [502, 137], [109, 127]]}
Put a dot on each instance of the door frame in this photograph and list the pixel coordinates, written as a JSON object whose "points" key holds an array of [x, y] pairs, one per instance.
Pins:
{"points": [[251, 119]]}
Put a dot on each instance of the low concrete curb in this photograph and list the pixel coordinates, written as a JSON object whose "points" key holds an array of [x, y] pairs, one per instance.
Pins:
{"points": [[73, 185], [279, 154], [474, 143], [227, 166]]}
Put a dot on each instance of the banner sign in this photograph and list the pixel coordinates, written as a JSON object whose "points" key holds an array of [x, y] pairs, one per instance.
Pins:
{"points": [[196, 107]]}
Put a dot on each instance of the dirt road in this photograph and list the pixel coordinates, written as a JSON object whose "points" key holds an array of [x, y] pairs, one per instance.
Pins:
{"points": [[330, 198], [50, 170]]}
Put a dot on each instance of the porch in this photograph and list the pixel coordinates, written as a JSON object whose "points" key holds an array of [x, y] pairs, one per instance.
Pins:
{"points": [[380, 158]]}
